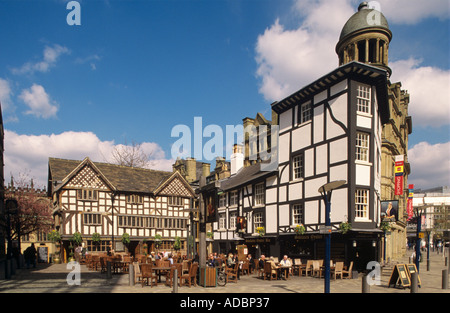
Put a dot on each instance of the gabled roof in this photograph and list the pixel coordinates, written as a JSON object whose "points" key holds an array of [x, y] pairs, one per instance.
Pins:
{"points": [[120, 178]]}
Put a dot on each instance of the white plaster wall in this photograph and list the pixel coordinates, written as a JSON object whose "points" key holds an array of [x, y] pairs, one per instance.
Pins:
{"points": [[339, 172], [295, 191], [284, 215], [309, 162], [286, 120], [362, 174], [338, 87], [338, 150], [312, 186], [283, 151], [271, 218], [339, 205], [301, 137], [318, 123], [363, 121], [321, 159], [311, 212]]}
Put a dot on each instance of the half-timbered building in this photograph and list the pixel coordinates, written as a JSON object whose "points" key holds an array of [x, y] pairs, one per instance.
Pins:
{"points": [[329, 130], [112, 200]]}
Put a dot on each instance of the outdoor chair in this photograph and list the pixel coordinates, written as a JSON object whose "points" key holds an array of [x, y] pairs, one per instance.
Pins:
{"points": [[338, 269], [269, 272], [147, 274], [245, 267], [347, 274], [137, 272], [170, 275], [316, 268], [308, 268], [103, 264], [232, 273], [191, 276]]}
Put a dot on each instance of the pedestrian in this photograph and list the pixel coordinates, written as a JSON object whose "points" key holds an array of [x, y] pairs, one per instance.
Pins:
{"points": [[30, 256]]}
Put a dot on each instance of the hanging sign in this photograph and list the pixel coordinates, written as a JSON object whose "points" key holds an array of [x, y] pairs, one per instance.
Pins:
{"points": [[398, 172]]}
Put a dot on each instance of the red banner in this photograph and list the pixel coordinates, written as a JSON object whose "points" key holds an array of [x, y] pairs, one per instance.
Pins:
{"points": [[399, 184], [409, 205]]}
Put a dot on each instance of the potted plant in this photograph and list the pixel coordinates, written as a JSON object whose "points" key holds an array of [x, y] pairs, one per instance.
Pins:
{"points": [[77, 239], [157, 240], [299, 229], [177, 243], [344, 227], [96, 238], [55, 237], [261, 231], [385, 226], [71, 258], [125, 238]]}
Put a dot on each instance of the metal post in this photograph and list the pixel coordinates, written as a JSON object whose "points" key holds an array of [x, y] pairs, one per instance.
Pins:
{"points": [[327, 247], [131, 274], [365, 285], [108, 270], [419, 226], [428, 251], [414, 282], [175, 281], [444, 279]]}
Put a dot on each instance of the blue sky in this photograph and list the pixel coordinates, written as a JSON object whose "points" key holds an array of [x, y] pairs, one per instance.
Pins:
{"points": [[134, 69]]}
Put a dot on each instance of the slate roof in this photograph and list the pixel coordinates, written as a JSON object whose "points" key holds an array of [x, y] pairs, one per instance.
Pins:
{"points": [[123, 178], [245, 176]]}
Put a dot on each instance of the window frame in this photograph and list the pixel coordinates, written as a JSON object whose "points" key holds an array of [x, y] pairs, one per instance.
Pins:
{"points": [[362, 152], [362, 207]]}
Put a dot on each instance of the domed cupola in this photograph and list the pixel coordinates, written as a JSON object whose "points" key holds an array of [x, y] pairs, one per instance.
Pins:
{"points": [[365, 38]]}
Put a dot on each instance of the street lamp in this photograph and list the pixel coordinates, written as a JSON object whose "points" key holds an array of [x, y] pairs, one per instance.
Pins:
{"points": [[191, 225], [325, 191]]}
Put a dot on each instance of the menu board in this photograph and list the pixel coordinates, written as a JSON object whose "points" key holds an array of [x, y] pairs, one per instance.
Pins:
{"points": [[400, 276], [413, 269]]}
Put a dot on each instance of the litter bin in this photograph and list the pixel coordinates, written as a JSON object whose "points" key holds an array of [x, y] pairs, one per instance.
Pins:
{"points": [[208, 277]]}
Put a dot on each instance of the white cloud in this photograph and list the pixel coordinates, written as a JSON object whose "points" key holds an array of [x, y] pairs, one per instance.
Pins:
{"points": [[30, 153], [414, 11], [429, 92], [430, 165], [290, 59], [50, 57], [7, 106], [39, 102]]}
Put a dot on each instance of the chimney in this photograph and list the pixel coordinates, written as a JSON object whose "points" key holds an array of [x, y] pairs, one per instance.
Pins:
{"points": [[206, 169], [191, 169], [237, 159]]}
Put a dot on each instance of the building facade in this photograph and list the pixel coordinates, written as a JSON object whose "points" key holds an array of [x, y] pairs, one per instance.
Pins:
{"points": [[112, 200], [329, 130], [365, 38]]}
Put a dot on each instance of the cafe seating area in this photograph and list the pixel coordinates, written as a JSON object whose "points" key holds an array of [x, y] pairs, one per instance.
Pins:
{"points": [[148, 272]]}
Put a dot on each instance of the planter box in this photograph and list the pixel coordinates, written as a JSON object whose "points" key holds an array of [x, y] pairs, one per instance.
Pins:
{"points": [[208, 277]]}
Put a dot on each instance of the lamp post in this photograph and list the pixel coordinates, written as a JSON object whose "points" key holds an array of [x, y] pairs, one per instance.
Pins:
{"points": [[325, 191]]}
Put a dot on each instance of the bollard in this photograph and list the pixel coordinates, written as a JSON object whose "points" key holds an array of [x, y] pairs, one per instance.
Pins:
{"points": [[175, 281], [8, 269], [108, 270], [414, 283], [444, 279], [365, 284], [131, 274]]}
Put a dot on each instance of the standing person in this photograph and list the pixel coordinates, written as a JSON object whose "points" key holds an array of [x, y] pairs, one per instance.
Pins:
{"points": [[30, 256], [251, 263]]}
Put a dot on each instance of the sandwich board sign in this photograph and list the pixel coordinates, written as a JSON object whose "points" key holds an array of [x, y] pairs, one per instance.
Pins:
{"points": [[413, 269], [400, 276]]}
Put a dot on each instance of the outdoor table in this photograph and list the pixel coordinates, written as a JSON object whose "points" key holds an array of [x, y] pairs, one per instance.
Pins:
{"points": [[282, 268], [159, 269]]}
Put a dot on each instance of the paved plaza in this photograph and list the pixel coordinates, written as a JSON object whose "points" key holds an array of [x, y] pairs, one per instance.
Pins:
{"points": [[52, 278]]}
